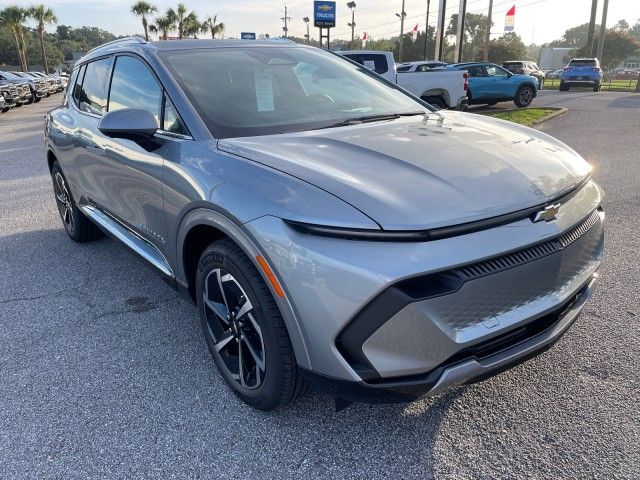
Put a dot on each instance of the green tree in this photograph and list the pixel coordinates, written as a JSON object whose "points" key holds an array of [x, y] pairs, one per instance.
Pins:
{"points": [[181, 18], [212, 26], [618, 45], [13, 19], [143, 10], [635, 30], [162, 26], [507, 47], [43, 17], [574, 37], [475, 27]]}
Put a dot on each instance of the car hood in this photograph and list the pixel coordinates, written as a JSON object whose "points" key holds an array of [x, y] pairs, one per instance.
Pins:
{"points": [[421, 172]]}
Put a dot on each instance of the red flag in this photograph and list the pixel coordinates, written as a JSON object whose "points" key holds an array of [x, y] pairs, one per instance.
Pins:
{"points": [[364, 40], [414, 32]]}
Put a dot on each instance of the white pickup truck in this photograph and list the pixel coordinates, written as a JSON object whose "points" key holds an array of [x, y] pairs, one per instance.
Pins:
{"points": [[441, 88]]}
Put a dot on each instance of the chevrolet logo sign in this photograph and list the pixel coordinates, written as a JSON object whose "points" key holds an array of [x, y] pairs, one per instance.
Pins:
{"points": [[325, 8], [548, 214]]}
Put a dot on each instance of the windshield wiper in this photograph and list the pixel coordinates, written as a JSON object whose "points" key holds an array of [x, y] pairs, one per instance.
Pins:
{"points": [[372, 118]]}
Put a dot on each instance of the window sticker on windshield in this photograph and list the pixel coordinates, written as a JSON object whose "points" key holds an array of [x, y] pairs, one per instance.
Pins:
{"points": [[264, 90], [370, 64]]}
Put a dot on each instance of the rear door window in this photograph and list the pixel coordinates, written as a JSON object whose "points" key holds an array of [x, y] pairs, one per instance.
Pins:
{"points": [[92, 96]]}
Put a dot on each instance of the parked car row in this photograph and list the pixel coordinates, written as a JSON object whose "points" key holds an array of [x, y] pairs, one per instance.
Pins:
{"points": [[460, 84], [25, 88]]}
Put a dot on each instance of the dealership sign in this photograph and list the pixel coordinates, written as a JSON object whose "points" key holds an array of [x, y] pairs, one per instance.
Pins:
{"points": [[324, 14], [248, 35]]}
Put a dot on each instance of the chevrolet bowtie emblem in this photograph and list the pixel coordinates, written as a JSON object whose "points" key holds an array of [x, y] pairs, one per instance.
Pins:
{"points": [[548, 214], [325, 8]]}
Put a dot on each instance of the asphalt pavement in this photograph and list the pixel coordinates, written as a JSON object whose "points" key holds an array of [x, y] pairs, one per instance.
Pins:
{"points": [[104, 372]]}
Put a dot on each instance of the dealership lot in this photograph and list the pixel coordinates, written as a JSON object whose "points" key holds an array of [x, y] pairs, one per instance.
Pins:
{"points": [[104, 372]]}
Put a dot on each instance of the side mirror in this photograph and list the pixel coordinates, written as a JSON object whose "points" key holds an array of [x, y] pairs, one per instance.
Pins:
{"points": [[130, 123]]}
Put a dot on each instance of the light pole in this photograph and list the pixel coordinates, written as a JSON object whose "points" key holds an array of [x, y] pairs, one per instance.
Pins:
{"points": [[352, 7], [306, 21], [592, 28], [603, 29], [487, 34], [426, 29], [401, 16]]}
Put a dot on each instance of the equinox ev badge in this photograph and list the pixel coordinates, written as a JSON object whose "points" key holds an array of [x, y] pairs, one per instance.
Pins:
{"points": [[548, 214]]}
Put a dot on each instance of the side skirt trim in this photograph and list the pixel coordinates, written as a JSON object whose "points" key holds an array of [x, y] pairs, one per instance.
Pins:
{"points": [[136, 243]]}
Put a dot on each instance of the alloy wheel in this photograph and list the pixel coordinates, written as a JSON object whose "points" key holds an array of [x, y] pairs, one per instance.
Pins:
{"points": [[526, 95], [63, 198], [232, 325]]}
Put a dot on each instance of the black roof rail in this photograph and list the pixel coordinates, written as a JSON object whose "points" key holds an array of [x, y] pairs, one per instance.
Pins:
{"points": [[120, 40]]}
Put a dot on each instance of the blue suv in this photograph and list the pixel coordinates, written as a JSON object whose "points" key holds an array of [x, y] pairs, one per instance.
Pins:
{"points": [[581, 72], [490, 83]]}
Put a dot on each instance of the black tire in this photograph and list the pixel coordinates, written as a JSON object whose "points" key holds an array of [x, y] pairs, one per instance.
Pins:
{"points": [[563, 87], [223, 267], [30, 101], [524, 96], [597, 87], [37, 99], [6, 109], [79, 228]]}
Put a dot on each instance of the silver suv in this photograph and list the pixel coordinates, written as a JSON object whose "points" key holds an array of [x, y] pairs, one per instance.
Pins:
{"points": [[331, 229]]}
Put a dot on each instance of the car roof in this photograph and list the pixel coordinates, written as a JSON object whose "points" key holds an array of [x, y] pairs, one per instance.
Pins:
{"points": [[140, 44]]}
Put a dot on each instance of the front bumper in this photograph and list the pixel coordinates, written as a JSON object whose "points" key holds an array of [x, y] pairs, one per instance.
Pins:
{"points": [[514, 277], [469, 367]]}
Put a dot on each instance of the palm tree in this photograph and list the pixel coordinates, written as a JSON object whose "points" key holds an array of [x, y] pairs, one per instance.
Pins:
{"points": [[191, 25], [162, 26], [43, 16], [13, 18], [181, 18], [142, 9], [211, 25]]}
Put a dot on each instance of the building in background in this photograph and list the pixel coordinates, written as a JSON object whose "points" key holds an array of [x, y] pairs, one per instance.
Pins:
{"points": [[554, 58]]}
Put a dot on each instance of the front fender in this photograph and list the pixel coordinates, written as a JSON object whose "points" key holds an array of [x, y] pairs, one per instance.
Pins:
{"points": [[241, 236]]}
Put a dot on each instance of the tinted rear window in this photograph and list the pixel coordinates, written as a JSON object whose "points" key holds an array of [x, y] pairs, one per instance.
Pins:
{"points": [[377, 63], [512, 64], [404, 68], [582, 63]]}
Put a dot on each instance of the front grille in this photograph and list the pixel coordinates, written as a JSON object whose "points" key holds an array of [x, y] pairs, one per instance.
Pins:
{"points": [[530, 254]]}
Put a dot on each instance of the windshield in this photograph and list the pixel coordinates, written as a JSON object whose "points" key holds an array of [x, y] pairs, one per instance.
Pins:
{"points": [[261, 90], [11, 76]]}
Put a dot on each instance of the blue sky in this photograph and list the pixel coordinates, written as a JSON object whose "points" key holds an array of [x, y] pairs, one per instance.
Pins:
{"points": [[536, 20]]}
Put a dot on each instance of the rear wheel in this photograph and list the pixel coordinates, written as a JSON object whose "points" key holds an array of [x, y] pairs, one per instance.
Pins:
{"points": [[437, 101], [524, 97], [244, 330], [76, 224], [563, 87], [6, 109], [597, 87]]}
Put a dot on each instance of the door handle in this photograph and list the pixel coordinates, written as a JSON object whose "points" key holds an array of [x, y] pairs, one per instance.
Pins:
{"points": [[97, 149]]}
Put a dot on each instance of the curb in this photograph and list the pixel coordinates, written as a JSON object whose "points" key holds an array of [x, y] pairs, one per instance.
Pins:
{"points": [[557, 113]]}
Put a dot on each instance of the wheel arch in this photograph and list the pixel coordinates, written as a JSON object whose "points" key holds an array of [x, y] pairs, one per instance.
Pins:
{"points": [[204, 225]]}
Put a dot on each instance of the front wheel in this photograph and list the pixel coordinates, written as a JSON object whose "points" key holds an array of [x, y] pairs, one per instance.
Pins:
{"points": [[524, 97], [563, 87], [596, 87], [244, 330]]}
